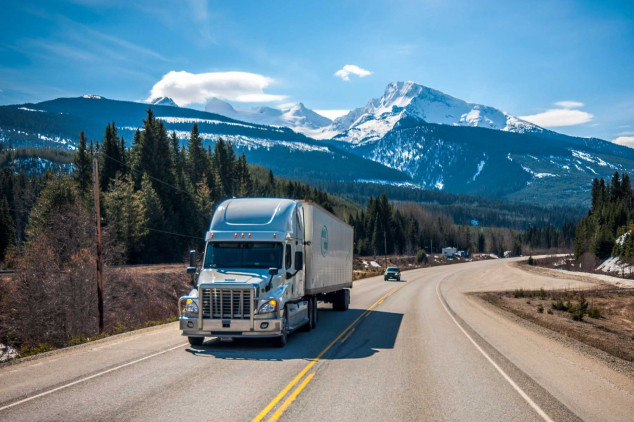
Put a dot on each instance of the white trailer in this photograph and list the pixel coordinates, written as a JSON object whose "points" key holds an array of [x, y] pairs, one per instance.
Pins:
{"points": [[267, 262]]}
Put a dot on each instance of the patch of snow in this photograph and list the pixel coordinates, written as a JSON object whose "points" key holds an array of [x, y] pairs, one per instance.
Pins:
{"points": [[30, 109], [542, 175], [192, 120], [614, 265], [591, 159], [537, 175], [480, 167], [7, 353], [386, 182], [622, 238], [92, 97], [375, 264], [256, 143]]}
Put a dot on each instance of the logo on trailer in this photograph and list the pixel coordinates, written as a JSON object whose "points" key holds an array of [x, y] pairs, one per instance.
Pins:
{"points": [[324, 241]]}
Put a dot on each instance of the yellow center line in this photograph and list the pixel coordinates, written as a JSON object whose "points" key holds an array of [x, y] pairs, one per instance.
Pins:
{"points": [[347, 335], [291, 398], [299, 376]]}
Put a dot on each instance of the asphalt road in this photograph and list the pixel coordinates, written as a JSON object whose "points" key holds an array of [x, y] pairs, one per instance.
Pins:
{"points": [[416, 350]]}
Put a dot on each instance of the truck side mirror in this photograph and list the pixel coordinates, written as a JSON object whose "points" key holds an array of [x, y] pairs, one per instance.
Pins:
{"points": [[192, 262], [299, 261], [272, 271]]}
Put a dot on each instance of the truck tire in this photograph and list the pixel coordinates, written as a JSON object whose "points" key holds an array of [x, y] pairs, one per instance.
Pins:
{"points": [[315, 312], [196, 341], [311, 323], [281, 340], [342, 300]]}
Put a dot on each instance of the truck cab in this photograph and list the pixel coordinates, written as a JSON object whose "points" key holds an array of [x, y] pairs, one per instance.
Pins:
{"points": [[252, 278]]}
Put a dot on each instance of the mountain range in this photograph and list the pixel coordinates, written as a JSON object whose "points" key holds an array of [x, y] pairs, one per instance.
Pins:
{"points": [[411, 135]]}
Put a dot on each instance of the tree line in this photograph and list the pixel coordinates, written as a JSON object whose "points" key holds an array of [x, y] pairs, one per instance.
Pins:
{"points": [[157, 196], [607, 228], [386, 228]]}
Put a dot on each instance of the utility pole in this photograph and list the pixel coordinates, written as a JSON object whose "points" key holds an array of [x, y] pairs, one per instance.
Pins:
{"points": [[95, 172], [385, 247]]}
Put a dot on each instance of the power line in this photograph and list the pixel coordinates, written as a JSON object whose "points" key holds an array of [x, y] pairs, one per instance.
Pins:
{"points": [[148, 175], [175, 234]]}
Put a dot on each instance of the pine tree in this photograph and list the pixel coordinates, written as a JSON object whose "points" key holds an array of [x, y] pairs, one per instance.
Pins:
{"points": [[204, 204], [197, 161], [224, 163], [82, 161], [7, 228], [152, 157], [125, 216], [111, 157], [245, 184], [155, 220]]}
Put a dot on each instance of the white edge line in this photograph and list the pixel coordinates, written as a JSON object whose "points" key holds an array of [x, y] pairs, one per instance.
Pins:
{"points": [[45, 393], [517, 388]]}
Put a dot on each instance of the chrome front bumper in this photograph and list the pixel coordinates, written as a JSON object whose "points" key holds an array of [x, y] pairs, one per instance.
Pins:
{"points": [[231, 328]]}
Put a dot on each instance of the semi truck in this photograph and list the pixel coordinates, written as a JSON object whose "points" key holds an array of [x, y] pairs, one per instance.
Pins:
{"points": [[266, 264]]}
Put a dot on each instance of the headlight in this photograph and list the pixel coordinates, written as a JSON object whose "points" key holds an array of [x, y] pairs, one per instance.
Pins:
{"points": [[268, 306], [191, 307]]}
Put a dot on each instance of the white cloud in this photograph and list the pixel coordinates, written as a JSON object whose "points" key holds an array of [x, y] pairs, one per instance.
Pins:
{"points": [[569, 104], [332, 114], [187, 88], [563, 116], [627, 141], [351, 69]]}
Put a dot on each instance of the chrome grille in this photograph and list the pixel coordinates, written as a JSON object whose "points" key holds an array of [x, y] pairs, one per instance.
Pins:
{"points": [[221, 303]]}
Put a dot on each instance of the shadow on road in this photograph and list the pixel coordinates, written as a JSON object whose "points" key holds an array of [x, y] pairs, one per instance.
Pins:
{"points": [[377, 330]]}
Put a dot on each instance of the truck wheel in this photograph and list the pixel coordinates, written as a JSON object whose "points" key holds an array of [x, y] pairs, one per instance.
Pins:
{"points": [[312, 313], [311, 323], [196, 341], [281, 340], [342, 300], [315, 312]]}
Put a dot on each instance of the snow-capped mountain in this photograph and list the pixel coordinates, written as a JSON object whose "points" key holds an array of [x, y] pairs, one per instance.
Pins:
{"points": [[298, 117], [165, 101], [57, 124], [409, 100], [413, 135]]}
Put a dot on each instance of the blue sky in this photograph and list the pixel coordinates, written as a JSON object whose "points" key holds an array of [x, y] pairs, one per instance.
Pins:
{"points": [[561, 62]]}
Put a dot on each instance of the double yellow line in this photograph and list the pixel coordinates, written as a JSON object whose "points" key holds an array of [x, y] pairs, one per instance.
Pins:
{"points": [[343, 336]]}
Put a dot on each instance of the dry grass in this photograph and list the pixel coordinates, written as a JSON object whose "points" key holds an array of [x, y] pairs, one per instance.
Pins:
{"points": [[611, 329], [134, 297]]}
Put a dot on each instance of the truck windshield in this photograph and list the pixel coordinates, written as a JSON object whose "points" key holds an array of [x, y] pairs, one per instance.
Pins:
{"points": [[243, 255]]}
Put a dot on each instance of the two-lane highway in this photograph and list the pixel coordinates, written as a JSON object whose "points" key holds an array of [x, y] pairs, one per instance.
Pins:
{"points": [[415, 350]]}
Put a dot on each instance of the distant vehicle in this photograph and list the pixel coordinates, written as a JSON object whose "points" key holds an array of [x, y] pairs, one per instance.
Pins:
{"points": [[392, 272], [267, 262], [449, 252]]}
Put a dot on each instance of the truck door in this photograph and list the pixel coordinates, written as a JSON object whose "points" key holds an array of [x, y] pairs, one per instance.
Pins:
{"points": [[299, 248]]}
